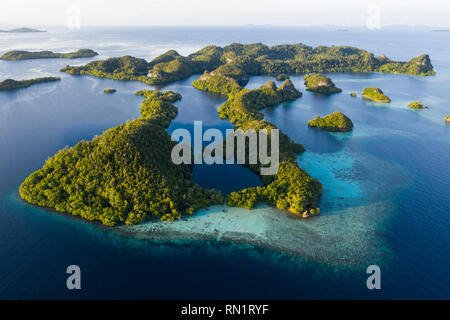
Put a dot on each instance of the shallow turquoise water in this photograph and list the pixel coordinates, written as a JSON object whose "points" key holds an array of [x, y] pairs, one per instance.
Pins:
{"points": [[394, 155]]}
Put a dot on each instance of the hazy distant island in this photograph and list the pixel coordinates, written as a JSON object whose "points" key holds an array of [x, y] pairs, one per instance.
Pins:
{"points": [[417, 105], [10, 84], [249, 60], [319, 83], [334, 122], [22, 30], [117, 177], [376, 95], [26, 55]]}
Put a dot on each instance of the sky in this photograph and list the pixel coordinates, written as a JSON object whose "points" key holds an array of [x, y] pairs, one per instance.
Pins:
{"points": [[375, 13]]}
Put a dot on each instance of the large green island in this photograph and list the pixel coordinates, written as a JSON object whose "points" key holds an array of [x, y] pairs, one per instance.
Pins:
{"points": [[10, 84], [249, 60], [319, 83], [417, 105], [27, 55], [124, 175]]}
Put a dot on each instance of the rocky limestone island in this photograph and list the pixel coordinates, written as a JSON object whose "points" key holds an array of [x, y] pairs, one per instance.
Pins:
{"points": [[27, 55], [376, 95], [10, 84], [319, 83], [353, 95], [417, 105], [334, 122], [447, 119], [109, 90]]}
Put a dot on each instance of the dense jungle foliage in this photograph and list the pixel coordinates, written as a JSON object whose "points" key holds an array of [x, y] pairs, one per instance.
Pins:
{"points": [[251, 59], [335, 121], [10, 84], [26, 55]]}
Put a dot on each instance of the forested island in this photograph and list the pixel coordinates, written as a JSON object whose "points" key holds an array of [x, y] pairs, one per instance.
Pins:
{"points": [[249, 60], [27, 55], [119, 178], [124, 175], [417, 105], [319, 83], [10, 84], [376, 95], [109, 90], [334, 122]]}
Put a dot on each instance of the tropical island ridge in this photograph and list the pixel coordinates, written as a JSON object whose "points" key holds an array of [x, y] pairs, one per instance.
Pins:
{"points": [[22, 30], [225, 71]]}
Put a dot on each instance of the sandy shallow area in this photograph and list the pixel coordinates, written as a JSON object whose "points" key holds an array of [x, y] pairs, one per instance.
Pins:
{"points": [[349, 237]]}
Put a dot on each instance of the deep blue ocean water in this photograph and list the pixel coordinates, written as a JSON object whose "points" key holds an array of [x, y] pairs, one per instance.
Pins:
{"points": [[394, 154]]}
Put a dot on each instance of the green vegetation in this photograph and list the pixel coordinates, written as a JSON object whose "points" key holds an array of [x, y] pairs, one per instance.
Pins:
{"points": [[22, 30], [223, 80], [447, 119], [354, 95], [420, 66], [25, 55], [124, 175], [10, 84], [375, 94], [109, 90], [291, 188], [319, 83], [250, 59], [335, 122], [417, 105], [282, 77], [124, 68]]}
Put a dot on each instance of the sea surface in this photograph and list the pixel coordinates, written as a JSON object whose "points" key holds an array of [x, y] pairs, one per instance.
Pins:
{"points": [[396, 157]]}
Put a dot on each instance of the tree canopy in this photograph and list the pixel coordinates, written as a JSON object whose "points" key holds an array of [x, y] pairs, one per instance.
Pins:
{"points": [[124, 175], [26, 55], [291, 188], [251, 59]]}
